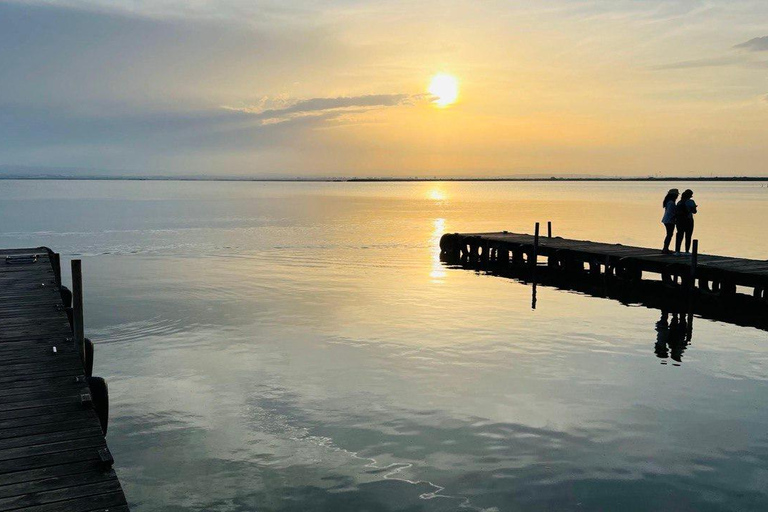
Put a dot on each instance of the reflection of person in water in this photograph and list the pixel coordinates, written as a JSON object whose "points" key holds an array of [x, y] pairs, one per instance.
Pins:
{"points": [[672, 336], [662, 336]]}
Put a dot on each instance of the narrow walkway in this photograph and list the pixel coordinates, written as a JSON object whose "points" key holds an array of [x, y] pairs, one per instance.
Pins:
{"points": [[713, 273], [53, 454]]}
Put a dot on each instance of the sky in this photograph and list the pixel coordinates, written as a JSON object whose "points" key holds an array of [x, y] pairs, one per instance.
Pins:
{"points": [[338, 88]]}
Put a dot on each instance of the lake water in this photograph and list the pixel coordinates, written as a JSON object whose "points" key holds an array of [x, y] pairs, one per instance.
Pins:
{"points": [[300, 347]]}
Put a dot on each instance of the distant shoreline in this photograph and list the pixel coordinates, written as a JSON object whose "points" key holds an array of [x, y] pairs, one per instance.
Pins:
{"points": [[384, 180]]}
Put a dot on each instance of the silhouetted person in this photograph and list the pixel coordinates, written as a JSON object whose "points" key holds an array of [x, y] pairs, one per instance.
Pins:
{"points": [[669, 216], [684, 212]]}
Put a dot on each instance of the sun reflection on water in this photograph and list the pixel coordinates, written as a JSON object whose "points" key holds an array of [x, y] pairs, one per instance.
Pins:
{"points": [[438, 270], [436, 194]]}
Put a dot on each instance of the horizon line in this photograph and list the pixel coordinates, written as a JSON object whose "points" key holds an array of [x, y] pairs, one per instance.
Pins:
{"points": [[380, 179]]}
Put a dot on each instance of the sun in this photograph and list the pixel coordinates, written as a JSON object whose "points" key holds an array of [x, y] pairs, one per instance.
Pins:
{"points": [[445, 89]]}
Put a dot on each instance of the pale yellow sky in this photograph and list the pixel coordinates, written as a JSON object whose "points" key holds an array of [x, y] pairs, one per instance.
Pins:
{"points": [[307, 88]]}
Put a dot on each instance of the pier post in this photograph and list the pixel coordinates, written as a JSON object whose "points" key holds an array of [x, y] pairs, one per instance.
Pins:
{"points": [[77, 307], [56, 261], [535, 255], [694, 262], [549, 229]]}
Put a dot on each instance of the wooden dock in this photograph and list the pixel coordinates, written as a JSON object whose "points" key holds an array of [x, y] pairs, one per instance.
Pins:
{"points": [[715, 275], [53, 413]]}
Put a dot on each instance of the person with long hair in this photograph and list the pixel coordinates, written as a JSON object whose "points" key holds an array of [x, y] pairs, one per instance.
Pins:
{"points": [[684, 212], [669, 216]]}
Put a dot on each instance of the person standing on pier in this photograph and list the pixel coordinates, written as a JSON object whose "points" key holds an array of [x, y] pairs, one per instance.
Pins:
{"points": [[684, 212], [669, 216]]}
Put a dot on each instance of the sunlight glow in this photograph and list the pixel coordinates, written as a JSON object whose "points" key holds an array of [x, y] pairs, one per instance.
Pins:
{"points": [[437, 195], [438, 270], [445, 89]]}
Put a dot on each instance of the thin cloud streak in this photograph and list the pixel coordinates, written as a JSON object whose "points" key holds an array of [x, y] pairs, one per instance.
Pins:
{"points": [[325, 106], [712, 62], [757, 44]]}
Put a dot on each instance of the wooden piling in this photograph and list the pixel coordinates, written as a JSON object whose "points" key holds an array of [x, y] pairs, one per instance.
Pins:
{"points": [[694, 262], [78, 329], [535, 255], [56, 263], [549, 229]]}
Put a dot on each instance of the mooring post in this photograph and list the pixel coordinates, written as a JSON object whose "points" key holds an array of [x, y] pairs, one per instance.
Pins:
{"points": [[694, 262], [535, 256], [77, 307], [549, 229]]}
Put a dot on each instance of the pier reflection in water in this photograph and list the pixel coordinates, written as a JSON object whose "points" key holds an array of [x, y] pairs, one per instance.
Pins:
{"points": [[678, 307]]}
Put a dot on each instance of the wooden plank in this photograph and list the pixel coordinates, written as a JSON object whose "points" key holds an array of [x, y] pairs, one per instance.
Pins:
{"points": [[37, 381], [42, 355], [86, 474], [22, 482], [41, 422], [41, 461], [105, 502], [24, 452], [80, 490], [37, 409], [34, 394], [46, 374], [21, 370], [64, 361], [54, 437], [69, 422]]}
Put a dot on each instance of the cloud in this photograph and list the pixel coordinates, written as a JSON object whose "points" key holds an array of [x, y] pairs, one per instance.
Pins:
{"points": [[71, 56], [325, 106], [757, 44], [711, 62]]}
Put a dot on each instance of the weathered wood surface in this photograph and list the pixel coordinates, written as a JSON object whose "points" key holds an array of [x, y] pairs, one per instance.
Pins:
{"points": [[734, 271], [52, 449]]}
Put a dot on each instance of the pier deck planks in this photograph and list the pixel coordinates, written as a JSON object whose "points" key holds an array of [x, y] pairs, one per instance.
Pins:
{"points": [[49, 440], [742, 271]]}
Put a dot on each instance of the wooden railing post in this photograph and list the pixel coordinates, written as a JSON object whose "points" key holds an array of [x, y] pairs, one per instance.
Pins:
{"points": [[77, 306]]}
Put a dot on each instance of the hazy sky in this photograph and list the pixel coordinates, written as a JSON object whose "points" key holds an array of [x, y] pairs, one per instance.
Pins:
{"points": [[338, 87]]}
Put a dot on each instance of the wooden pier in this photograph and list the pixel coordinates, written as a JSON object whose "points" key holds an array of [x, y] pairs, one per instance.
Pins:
{"points": [[53, 412], [713, 275]]}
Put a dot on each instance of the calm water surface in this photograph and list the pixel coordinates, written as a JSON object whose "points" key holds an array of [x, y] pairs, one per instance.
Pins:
{"points": [[300, 347]]}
